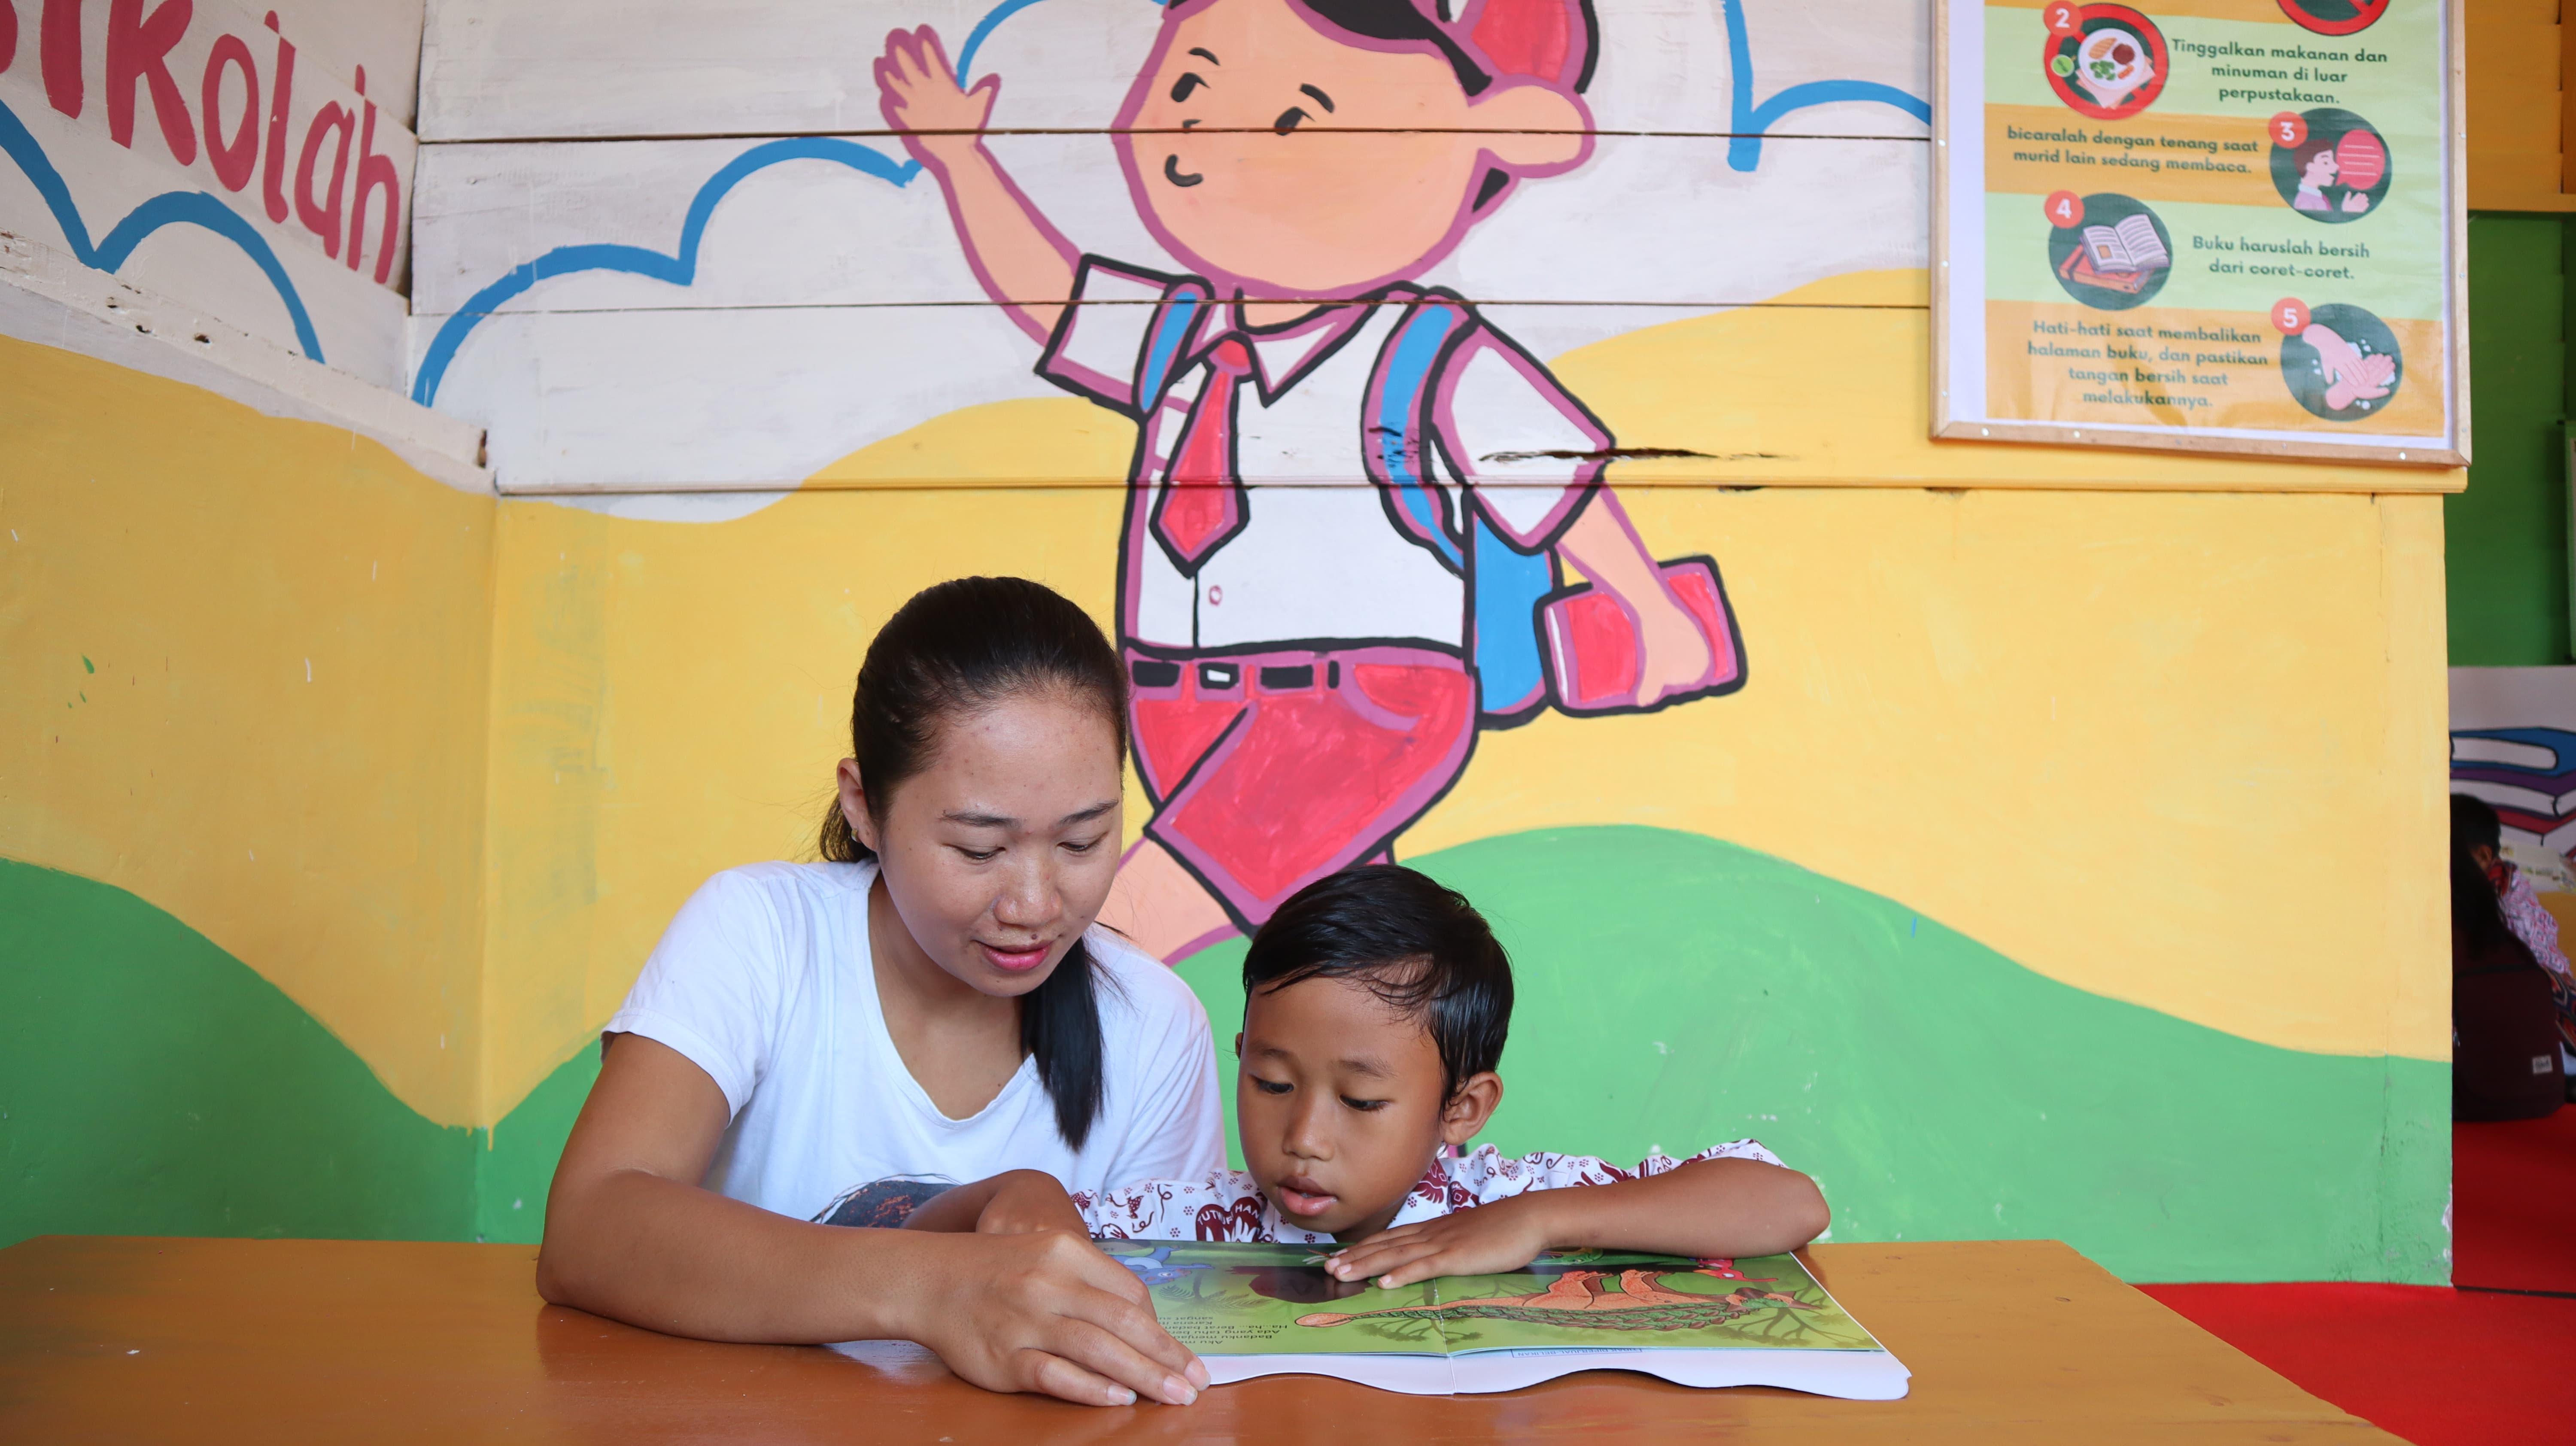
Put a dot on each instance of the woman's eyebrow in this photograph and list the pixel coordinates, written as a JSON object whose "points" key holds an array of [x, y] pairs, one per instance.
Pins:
{"points": [[1321, 99], [974, 819], [1210, 54]]}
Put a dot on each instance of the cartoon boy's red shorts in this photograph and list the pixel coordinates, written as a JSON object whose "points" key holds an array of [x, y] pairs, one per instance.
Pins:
{"points": [[1271, 770]]}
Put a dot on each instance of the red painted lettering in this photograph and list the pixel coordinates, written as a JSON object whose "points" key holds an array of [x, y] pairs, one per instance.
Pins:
{"points": [[374, 171], [273, 191], [60, 47], [233, 160], [320, 219], [8, 33], [138, 49]]}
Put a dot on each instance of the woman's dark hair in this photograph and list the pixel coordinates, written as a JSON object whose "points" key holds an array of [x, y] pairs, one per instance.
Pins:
{"points": [[2478, 926], [957, 649], [1421, 948]]}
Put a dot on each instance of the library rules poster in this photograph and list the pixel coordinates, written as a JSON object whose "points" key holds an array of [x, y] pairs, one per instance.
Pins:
{"points": [[2212, 224]]}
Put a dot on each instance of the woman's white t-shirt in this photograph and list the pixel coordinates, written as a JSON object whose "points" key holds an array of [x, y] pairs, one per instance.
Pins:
{"points": [[764, 981]]}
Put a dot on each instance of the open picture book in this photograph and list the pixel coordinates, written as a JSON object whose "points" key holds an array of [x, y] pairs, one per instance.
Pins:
{"points": [[1262, 1310]]}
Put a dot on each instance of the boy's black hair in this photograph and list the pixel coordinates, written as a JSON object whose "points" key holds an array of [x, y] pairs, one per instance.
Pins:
{"points": [[1421, 948]]}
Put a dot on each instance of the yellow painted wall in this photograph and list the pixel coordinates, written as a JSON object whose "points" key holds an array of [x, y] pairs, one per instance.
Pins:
{"points": [[2183, 750], [2180, 748], [2514, 119], [282, 741]]}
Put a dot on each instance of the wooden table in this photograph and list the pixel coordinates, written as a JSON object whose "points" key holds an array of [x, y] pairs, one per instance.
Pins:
{"points": [[219, 1340]]}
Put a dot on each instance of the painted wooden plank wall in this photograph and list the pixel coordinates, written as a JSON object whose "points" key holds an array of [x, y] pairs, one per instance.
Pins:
{"points": [[509, 70], [260, 175], [810, 299]]}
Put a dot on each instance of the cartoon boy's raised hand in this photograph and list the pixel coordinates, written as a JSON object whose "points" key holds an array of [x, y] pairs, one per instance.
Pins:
{"points": [[917, 90], [1018, 257]]}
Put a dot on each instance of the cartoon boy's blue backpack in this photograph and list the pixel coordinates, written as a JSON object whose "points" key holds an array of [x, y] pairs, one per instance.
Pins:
{"points": [[1536, 644]]}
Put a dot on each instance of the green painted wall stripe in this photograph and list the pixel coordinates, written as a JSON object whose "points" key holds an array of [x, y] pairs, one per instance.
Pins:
{"points": [[151, 1084], [2505, 538], [516, 1164], [1676, 992]]}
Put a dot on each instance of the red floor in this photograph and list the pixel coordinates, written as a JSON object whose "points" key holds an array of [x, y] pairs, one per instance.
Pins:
{"points": [[2438, 1366]]}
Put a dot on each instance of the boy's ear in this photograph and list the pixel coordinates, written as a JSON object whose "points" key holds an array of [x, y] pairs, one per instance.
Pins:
{"points": [[1470, 1106], [1238, 1044], [1531, 128]]}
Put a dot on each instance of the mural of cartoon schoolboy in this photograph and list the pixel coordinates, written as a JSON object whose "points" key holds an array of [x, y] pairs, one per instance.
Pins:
{"points": [[1306, 658]]}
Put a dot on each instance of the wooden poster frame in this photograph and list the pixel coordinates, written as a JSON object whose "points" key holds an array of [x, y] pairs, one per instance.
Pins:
{"points": [[2454, 330]]}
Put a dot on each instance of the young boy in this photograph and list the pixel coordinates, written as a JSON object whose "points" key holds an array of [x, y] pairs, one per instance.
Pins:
{"points": [[1375, 1006]]}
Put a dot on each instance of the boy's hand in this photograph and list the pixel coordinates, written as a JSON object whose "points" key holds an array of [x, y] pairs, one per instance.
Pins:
{"points": [[918, 94], [1487, 1240], [1027, 1201]]}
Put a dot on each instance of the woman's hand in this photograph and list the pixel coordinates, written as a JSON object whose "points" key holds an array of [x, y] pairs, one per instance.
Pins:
{"points": [[1048, 1312], [1491, 1239]]}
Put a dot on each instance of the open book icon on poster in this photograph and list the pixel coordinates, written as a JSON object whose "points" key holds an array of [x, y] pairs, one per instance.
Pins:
{"points": [[1592, 655], [2117, 258], [1265, 1310]]}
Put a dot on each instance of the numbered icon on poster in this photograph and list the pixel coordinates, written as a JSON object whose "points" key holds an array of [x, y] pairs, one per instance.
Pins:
{"points": [[2336, 171], [2108, 62], [2343, 365], [2290, 316], [2063, 209], [2335, 17], [2114, 255]]}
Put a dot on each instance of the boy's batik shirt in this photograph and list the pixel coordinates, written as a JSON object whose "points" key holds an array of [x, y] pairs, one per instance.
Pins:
{"points": [[1228, 1205], [2532, 922]]}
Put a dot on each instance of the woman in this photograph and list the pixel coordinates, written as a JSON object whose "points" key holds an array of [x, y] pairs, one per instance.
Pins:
{"points": [[822, 1045]]}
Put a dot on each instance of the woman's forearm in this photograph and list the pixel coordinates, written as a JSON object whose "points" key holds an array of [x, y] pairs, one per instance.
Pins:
{"points": [[1704, 1208], [675, 1258]]}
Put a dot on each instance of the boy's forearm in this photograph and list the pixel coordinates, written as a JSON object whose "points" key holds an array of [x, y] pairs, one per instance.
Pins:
{"points": [[1704, 1208]]}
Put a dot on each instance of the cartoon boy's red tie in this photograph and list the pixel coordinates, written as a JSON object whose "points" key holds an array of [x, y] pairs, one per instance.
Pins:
{"points": [[1203, 504]]}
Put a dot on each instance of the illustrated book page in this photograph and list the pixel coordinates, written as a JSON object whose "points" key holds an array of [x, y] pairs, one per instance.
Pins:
{"points": [[1257, 1310]]}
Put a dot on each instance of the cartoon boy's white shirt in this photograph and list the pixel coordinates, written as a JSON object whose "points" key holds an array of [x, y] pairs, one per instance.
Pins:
{"points": [[1318, 557]]}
